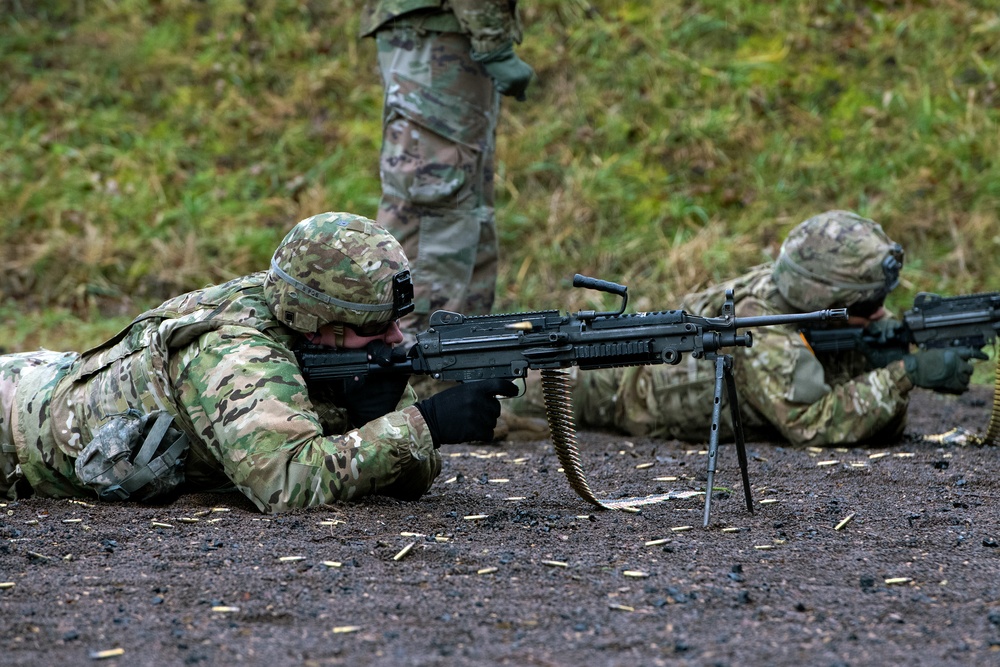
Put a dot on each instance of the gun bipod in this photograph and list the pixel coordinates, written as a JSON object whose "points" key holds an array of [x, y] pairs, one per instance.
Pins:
{"points": [[724, 376], [562, 425]]}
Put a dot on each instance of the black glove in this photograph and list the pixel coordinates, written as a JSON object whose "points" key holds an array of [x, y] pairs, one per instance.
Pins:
{"points": [[374, 395], [510, 74], [946, 370], [465, 413], [887, 347]]}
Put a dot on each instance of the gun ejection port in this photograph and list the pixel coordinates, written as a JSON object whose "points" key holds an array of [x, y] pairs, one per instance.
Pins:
{"points": [[524, 325]]}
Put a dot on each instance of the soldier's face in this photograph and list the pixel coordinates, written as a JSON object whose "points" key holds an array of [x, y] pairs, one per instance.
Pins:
{"points": [[858, 321], [391, 336], [327, 335]]}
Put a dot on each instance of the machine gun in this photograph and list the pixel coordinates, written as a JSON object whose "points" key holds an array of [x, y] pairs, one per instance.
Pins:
{"points": [[471, 348], [968, 320]]}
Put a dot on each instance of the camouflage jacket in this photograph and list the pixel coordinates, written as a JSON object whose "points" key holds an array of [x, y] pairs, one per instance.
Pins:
{"points": [[817, 400], [218, 361], [490, 24]]}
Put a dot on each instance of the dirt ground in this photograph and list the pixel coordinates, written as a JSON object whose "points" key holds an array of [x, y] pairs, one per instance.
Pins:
{"points": [[853, 557]]}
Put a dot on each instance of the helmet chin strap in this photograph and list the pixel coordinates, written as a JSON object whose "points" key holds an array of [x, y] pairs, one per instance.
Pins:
{"points": [[338, 333], [336, 330]]}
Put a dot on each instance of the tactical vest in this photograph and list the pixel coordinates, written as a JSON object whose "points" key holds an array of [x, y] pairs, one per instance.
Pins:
{"points": [[128, 373]]}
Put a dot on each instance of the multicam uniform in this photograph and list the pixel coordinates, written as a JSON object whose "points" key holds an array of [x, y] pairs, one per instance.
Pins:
{"points": [[783, 387], [827, 400], [221, 364], [439, 138]]}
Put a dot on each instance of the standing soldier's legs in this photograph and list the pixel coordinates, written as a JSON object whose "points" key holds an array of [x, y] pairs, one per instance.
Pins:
{"points": [[439, 127]]}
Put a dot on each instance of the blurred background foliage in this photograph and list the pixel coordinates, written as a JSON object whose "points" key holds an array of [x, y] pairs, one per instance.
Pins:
{"points": [[149, 147]]}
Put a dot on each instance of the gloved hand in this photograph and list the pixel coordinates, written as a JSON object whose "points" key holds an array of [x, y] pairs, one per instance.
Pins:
{"points": [[374, 395], [885, 329], [886, 348], [510, 74], [946, 370], [465, 413], [371, 397]]}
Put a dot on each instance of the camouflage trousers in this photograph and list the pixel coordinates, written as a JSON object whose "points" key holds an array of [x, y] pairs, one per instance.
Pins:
{"points": [[670, 402], [26, 382], [439, 135]]}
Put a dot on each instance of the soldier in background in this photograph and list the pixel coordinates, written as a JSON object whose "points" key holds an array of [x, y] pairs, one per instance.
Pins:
{"points": [[204, 392], [444, 65], [833, 260]]}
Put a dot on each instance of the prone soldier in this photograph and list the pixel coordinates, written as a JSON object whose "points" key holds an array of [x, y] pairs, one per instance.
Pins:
{"points": [[204, 392], [836, 259]]}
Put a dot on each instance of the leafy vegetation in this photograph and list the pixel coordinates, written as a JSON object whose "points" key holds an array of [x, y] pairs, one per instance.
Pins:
{"points": [[151, 147]]}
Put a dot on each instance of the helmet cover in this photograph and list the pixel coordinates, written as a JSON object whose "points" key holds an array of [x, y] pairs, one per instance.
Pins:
{"points": [[837, 259], [338, 268]]}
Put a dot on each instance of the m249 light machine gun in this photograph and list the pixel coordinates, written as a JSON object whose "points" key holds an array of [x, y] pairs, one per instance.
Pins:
{"points": [[470, 348]]}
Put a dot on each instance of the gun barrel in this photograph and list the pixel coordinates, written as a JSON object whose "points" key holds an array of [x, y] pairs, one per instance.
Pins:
{"points": [[829, 314]]}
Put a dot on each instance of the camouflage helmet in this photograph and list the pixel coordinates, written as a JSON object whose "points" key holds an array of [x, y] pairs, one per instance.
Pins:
{"points": [[835, 260], [338, 268]]}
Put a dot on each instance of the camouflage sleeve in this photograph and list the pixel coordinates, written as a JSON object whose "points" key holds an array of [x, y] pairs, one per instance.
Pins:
{"points": [[247, 402], [490, 24], [782, 379]]}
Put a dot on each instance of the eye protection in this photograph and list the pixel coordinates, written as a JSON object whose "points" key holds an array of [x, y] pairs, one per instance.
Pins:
{"points": [[891, 266]]}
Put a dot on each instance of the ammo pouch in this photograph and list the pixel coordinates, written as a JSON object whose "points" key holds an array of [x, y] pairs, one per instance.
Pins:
{"points": [[134, 457]]}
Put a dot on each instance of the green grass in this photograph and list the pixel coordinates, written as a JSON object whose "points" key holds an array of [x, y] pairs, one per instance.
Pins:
{"points": [[150, 148]]}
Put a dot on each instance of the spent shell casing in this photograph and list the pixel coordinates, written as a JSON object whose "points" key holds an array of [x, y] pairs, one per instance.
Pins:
{"points": [[843, 522], [109, 653], [344, 629], [404, 551]]}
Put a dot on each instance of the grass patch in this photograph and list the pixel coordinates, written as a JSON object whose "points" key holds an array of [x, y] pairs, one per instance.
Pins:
{"points": [[154, 147]]}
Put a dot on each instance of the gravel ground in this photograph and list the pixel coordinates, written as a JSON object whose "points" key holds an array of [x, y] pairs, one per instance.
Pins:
{"points": [[852, 557]]}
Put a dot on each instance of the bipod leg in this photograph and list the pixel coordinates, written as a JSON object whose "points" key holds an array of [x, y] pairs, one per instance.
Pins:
{"points": [[741, 450], [713, 439]]}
